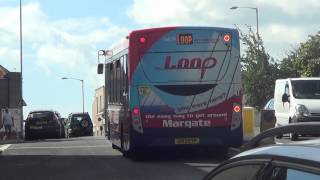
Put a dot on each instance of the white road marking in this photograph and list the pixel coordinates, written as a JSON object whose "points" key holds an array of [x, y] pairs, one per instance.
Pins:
{"points": [[58, 147], [4, 147]]}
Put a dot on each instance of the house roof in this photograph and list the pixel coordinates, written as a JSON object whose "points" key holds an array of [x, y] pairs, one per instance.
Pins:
{"points": [[3, 71]]}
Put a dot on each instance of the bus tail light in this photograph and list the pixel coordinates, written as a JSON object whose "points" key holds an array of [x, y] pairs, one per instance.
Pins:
{"points": [[236, 117], [226, 38], [236, 108], [135, 111], [142, 40], [136, 120]]}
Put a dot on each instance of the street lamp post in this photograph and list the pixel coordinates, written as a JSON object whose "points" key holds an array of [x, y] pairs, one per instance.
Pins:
{"points": [[257, 15], [81, 80], [257, 19], [21, 88]]}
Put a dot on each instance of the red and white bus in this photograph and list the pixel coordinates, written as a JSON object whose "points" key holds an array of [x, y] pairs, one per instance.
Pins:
{"points": [[174, 87]]}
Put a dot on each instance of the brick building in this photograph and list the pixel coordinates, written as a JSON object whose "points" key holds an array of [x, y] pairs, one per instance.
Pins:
{"points": [[98, 112], [10, 87]]}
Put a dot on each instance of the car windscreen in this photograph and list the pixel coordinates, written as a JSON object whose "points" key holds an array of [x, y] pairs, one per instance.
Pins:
{"points": [[306, 89], [80, 118], [40, 115]]}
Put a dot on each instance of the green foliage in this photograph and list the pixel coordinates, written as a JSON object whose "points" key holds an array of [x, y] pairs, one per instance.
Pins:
{"points": [[259, 71], [305, 60]]}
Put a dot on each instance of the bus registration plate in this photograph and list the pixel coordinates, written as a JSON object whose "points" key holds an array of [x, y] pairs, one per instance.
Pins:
{"points": [[187, 141]]}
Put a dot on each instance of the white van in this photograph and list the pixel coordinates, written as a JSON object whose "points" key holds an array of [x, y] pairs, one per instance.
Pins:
{"points": [[297, 100]]}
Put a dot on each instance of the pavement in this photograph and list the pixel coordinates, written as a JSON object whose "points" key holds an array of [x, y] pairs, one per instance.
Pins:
{"points": [[4, 147], [4, 144]]}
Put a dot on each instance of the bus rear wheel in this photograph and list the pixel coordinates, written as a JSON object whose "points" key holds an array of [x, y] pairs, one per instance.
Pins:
{"points": [[126, 148], [108, 131]]}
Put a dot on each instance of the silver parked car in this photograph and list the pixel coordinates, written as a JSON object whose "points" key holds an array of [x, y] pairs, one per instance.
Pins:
{"points": [[292, 161]]}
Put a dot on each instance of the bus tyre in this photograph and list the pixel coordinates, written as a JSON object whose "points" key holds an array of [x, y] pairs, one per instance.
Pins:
{"points": [[127, 150], [108, 131], [114, 146], [128, 154]]}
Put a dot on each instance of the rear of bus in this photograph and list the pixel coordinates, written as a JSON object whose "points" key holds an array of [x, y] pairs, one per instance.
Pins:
{"points": [[185, 87]]}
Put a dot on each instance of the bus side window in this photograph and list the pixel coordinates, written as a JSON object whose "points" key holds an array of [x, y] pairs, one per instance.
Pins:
{"points": [[126, 73], [121, 79], [124, 88], [111, 85], [118, 80]]}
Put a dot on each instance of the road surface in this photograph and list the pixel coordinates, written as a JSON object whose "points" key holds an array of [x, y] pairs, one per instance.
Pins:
{"points": [[93, 158]]}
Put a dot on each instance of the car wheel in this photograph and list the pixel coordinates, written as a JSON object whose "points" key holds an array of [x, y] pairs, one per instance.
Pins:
{"points": [[59, 134], [27, 136], [294, 136], [63, 134]]}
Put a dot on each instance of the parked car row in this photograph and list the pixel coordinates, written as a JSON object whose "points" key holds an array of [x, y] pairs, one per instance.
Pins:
{"points": [[50, 124]]}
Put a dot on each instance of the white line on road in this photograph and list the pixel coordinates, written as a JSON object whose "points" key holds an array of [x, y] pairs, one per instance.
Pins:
{"points": [[4, 147], [57, 147]]}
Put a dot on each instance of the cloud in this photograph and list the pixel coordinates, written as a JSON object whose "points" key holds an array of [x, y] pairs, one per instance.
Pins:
{"points": [[293, 7], [281, 30], [67, 44], [10, 58], [281, 33], [280, 39], [178, 12]]}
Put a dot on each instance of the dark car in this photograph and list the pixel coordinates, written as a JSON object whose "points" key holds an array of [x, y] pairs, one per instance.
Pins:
{"points": [[291, 161], [44, 124], [269, 105], [79, 124]]}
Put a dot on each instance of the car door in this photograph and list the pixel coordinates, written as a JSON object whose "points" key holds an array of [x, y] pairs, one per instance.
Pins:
{"points": [[239, 169], [280, 170], [282, 109]]}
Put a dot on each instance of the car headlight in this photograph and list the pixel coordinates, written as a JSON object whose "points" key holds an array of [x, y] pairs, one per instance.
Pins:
{"points": [[302, 110]]}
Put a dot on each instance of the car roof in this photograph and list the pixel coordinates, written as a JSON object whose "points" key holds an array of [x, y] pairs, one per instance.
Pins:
{"points": [[305, 151], [39, 111], [305, 78], [79, 113]]}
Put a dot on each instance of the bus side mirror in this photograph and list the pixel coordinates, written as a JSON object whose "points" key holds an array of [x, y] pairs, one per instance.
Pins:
{"points": [[100, 68]]}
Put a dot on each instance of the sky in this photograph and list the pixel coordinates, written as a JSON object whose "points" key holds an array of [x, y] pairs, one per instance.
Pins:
{"points": [[61, 38]]}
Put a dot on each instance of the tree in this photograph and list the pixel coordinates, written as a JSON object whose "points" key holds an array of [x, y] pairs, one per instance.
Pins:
{"points": [[305, 60], [259, 70]]}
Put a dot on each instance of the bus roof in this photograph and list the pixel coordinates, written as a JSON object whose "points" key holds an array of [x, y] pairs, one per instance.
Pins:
{"points": [[299, 79], [139, 31]]}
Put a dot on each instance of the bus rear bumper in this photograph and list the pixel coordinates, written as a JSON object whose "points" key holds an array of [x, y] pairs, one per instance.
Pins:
{"points": [[217, 139]]}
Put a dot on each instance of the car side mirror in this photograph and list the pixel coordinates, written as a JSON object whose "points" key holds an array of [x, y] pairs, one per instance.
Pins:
{"points": [[285, 98]]}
